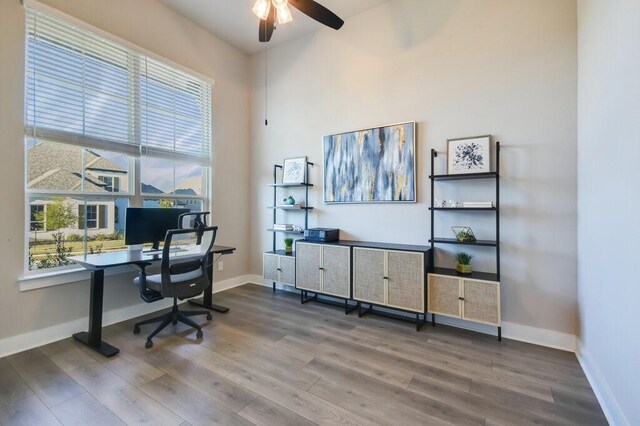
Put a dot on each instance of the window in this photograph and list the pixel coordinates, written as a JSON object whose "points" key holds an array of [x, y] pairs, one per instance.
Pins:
{"points": [[96, 110], [111, 183], [37, 217]]}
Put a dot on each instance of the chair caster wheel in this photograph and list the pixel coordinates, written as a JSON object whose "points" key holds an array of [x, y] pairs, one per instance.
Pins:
{"points": [[199, 334], [209, 317], [175, 322], [136, 330], [148, 344]]}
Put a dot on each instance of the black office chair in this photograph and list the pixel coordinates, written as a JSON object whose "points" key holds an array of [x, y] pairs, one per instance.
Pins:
{"points": [[177, 279]]}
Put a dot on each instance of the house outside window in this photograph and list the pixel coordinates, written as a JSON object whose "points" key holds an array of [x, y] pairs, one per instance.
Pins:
{"points": [[96, 110]]}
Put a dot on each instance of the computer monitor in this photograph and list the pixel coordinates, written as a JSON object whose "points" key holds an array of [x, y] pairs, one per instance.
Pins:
{"points": [[150, 225]]}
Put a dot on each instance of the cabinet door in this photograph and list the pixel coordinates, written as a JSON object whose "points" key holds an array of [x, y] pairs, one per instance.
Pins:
{"points": [[336, 270], [270, 267], [308, 266], [481, 301], [288, 270], [444, 295], [368, 274], [405, 286]]}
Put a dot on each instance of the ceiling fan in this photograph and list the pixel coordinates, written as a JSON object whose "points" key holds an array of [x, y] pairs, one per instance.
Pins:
{"points": [[272, 11]]}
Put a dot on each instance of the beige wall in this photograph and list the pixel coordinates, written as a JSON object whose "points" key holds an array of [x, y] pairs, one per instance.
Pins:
{"points": [[608, 201], [458, 68], [154, 27]]}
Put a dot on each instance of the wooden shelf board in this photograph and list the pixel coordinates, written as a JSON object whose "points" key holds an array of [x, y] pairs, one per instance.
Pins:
{"points": [[486, 276], [482, 243], [473, 209], [486, 175], [286, 232], [289, 185], [281, 253], [290, 208]]}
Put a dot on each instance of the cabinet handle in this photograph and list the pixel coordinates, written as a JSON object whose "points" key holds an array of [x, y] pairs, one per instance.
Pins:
{"points": [[385, 278], [279, 269], [322, 269], [460, 298]]}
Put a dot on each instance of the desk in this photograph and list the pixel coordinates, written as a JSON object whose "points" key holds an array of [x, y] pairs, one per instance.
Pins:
{"points": [[97, 263]]}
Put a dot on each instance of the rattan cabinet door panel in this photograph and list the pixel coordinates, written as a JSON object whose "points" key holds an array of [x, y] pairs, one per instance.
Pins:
{"points": [[368, 274], [270, 267], [405, 287], [443, 295], [481, 301], [308, 266], [336, 270], [287, 270]]}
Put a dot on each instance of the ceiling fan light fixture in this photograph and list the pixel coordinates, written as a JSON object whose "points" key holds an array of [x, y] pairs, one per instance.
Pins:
{"points": [[280, 3], [284, 14], [261, 9]]}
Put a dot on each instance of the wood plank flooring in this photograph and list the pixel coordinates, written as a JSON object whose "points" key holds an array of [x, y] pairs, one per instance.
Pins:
{"points": [[273, 361]]}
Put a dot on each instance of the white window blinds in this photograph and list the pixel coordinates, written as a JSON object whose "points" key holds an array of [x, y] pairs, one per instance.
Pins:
{"points": [[87, 90]]}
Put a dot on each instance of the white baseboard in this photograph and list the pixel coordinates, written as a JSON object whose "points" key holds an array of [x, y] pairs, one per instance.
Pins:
{"points": [[33, 339], [612, 411], [510, 330]]}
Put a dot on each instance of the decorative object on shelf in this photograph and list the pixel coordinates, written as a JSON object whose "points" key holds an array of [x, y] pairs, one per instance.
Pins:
{"points": [[464, 234], [294, 169], [288, 245], [464, 263], [468, 155], [478, 204], [298, 228], [440, 203], [454, 204], [371, 165], [290, 201], [283, 227]]}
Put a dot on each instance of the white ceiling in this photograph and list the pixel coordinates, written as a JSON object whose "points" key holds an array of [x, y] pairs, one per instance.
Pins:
{"points": [[233, 21]]}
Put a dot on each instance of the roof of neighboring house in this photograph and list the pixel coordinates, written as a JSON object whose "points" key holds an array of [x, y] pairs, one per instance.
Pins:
{"points": [[59, 167]]}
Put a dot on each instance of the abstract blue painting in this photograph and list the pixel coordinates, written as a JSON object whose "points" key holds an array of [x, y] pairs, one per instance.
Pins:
{"points": [[371, 165]]}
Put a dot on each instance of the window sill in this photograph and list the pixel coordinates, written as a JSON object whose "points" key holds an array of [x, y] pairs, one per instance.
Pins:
{"points": [[49, 279]]}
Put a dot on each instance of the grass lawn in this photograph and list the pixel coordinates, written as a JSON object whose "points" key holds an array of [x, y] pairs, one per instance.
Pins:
{"points": [[77, 247]]}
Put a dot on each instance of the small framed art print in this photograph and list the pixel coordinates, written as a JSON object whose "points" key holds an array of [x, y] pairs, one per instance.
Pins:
{"points": [[294, 170], [469, 155]]}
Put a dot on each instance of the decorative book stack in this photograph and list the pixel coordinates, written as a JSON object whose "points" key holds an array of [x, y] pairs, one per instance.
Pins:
{"points": [[478, 204], [283, 227]]}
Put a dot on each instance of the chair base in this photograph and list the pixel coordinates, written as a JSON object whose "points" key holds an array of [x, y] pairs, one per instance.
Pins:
{"points": [[172, 317]]}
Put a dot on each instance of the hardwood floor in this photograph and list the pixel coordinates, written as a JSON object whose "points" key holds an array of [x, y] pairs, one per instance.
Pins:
{"points": [[273, 361]]}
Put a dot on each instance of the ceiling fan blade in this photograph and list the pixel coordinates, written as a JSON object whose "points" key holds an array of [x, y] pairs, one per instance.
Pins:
{"points": [[318, 12], [267, 26]]}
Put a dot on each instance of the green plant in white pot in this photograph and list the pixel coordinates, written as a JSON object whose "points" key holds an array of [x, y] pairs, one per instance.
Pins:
{"points": [[464, 263]]}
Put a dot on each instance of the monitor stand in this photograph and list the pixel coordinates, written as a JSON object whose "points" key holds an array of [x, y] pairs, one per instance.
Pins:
{"points": [[155, 247]]}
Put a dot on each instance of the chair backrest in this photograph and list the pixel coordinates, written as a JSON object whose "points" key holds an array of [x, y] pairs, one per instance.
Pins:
{"points": [[199, 222], [188, 278]]}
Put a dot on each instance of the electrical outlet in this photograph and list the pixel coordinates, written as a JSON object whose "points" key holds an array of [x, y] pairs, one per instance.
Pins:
{"points": [[220, 265]]}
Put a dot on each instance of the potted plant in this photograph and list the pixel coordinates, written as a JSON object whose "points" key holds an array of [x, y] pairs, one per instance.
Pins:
{"points": [[464, 263], [464, 234], [288, 245]]}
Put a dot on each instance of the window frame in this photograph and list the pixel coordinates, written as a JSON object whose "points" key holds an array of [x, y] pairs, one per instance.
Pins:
{"points": [[134, 194]]}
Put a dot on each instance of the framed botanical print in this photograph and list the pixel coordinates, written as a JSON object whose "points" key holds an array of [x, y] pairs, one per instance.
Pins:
{"points": [[469, 155]]}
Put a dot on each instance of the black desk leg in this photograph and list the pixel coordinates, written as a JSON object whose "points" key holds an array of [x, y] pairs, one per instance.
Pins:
{"points": [[93, 338], [205, 301]]}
